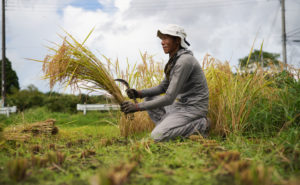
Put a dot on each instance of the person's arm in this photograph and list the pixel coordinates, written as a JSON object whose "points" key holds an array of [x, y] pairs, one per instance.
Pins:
{"points": [[182, 71], [157, 90]]}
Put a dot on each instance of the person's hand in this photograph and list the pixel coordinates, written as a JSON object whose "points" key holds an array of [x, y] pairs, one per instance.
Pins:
{"points": [[132, 93], [129, 107]]}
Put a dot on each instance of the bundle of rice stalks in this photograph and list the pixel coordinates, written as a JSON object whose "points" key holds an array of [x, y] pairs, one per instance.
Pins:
{"points": [[141, 122], [26, 131], [44, 127], [72, 64]]}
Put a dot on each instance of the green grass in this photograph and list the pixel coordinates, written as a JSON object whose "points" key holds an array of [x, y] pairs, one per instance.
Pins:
{"points": [[63, 119], [175, 162]]}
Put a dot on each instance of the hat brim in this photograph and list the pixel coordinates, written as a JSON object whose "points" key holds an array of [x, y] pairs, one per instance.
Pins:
{"points": [[182, 43], [160, 34]]}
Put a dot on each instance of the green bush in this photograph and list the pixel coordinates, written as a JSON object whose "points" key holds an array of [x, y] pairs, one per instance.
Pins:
{"points": [[267, 117], [31, 97], [27, 98], [62, 103]]}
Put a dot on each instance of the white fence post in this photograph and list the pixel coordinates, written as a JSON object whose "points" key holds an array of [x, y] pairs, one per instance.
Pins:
{"points": [[84, 110], [95, 107], [8, 110]]}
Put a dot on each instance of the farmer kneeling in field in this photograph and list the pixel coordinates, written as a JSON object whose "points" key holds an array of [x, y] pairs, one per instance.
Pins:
{"points": [[182, 110]]}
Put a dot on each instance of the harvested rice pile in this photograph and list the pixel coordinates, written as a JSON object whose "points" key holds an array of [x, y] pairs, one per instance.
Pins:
{"points": [[72, 64], [26, 131]]}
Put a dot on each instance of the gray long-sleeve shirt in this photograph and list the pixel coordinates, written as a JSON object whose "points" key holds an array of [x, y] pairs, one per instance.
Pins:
{"points": [[186, 83]]}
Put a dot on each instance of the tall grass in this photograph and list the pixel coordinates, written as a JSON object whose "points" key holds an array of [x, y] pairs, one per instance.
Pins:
{"points": [[232, 96], [147, 74], [246, 102]]}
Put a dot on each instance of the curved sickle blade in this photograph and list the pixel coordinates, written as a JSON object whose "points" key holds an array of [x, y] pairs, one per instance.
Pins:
{"points": [[127, 86], [123, 82]]}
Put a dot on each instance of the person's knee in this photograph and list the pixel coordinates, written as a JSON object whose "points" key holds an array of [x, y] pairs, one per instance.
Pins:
{"points": [[158, 135]]}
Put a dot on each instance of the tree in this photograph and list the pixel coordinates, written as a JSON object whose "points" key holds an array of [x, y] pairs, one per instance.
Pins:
{"points": [[268, 59], [11, 78], [26, 98]]}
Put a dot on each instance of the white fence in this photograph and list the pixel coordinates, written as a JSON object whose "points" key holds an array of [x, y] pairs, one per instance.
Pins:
{"points": [[8, 110], [88, 107]]}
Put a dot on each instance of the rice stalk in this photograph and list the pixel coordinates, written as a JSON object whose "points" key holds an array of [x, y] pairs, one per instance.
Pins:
{"points": [[74, 65], [142, 75], [129, 127], [232, 96]]}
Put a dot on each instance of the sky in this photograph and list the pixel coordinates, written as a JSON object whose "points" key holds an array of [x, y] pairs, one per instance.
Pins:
{"points": [[225, 29]]}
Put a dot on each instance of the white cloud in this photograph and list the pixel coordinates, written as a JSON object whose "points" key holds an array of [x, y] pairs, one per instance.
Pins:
{"points": [[122, 5], [106, 2]]}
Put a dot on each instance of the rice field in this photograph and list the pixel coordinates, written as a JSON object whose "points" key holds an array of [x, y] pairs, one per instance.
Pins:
{"points": [[254, 137]]}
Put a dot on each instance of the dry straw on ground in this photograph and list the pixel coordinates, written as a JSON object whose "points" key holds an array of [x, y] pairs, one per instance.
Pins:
{"points": [[26, 131], [116, 175]]}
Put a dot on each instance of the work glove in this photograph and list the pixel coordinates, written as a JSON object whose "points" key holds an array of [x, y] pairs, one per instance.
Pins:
{"points": [[132, 93], [129, 107]]}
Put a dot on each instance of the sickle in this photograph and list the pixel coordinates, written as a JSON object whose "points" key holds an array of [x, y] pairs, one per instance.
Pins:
{"points": [[123, 82], [127, 86]]}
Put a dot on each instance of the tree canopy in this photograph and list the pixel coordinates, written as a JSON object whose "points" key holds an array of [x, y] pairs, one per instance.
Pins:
{"points": [[268, 59], [12, 80]]}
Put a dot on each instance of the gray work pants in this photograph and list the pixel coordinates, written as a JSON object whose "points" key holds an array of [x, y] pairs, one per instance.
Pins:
{"points": [[171, 122]]}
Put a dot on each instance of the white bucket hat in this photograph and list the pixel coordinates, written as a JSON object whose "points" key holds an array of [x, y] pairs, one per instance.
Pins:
{"points": [[174, 30]]}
